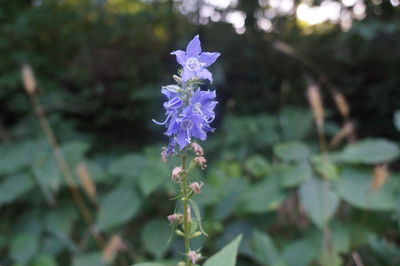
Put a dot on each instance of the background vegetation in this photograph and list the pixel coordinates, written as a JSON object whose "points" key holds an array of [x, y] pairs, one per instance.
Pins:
{"points": [[99, 66]]}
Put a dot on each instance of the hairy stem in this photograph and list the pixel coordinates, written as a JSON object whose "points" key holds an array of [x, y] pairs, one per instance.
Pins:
{"points": [[186, 222]]}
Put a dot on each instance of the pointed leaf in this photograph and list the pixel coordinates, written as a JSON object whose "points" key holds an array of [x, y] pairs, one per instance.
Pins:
{"points": [[155, 237], [318, 200], [226, 256]]}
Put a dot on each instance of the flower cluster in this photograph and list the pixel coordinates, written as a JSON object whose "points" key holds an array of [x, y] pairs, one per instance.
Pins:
{"points": [[188, 109]]}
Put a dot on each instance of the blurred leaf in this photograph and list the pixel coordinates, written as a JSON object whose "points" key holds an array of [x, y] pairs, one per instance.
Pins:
{"points": [[264, 249], [318, 200], [231, 193], [292, 151], [118, 207], [226, 256], [197, 213], [262, 196], [397, 119], [74, 151], [60, 221], [91, 259], [370, 151], [16, 156], [155, 237], [388, 252], [295, 122], [327, 169], [44, 260], [13, 187], [149, 264], [152, 177], [355, 187], [294, 175], [257, 166], [24, 247], [129, 165], [299, 253]]}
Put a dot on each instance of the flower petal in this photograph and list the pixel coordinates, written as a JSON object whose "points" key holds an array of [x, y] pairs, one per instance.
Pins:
{"points": [[180, 56], [187, 74], [208, 58], [181, 138], [193, 49], [205, 74]]}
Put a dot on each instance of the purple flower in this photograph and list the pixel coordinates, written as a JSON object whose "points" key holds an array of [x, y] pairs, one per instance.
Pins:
{"points": [[202, 102], [185, 126], [194, 61], [173, 104]]}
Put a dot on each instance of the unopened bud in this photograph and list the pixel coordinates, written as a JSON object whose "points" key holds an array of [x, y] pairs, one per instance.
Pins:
{"points": [[177, 78], [196, 234], [28, 79], [196, 186], [179, 233], [197, 149], [176, 217], [176, 174], [194, 256], [201, 161], [164, 154]]}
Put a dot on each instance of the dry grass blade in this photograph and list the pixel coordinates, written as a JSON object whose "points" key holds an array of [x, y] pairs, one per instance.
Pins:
{"points": [[341, 103], [314, 98], [380, 176], [345, 132], [112, 248], [28, 79], [86, 180]]}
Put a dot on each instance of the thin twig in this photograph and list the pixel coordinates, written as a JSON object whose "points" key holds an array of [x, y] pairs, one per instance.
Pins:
{"points": [[30, 87], [357, 258]]}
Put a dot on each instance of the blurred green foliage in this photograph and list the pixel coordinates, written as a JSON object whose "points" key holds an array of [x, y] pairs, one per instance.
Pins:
{"points": [[99, 66]]}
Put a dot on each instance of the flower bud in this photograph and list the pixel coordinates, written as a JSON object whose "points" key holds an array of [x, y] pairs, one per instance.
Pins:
{"points": [[197, 149], [28, 79], [164, 154], [176, 217], [201, 161], [196, 186], [194, 256], [176, 174], [196, 234], [177, 78]]}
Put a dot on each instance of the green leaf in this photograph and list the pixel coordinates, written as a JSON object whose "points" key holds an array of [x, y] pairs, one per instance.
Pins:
{"points": [[118, 207], [74, 151], [299, 253], [226, 256], [262, 196], [13, 187], [355, 187], [318, 200], [16, 156], [130, 165], [60, 221], [292, 151], [197, 213], [23, 247], [155, 237], [92, 259], [295, 122], [294, 175], [44, 260], [397, 119], [263, 249], [326, 168], [370, 151], [149, 264], [257, 166]]}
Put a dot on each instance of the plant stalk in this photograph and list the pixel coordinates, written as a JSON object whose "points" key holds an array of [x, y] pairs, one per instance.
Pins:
{"points": [[186, 222]]}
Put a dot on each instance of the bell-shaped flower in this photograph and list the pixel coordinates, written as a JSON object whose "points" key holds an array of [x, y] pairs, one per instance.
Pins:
{"points": [[194, 61]]}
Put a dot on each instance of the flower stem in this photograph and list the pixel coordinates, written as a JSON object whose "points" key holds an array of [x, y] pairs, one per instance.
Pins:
{"points": [[186, 222]]}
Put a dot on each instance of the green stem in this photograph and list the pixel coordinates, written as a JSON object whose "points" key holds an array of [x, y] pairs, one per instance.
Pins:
{"points": [[186, 222]]}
